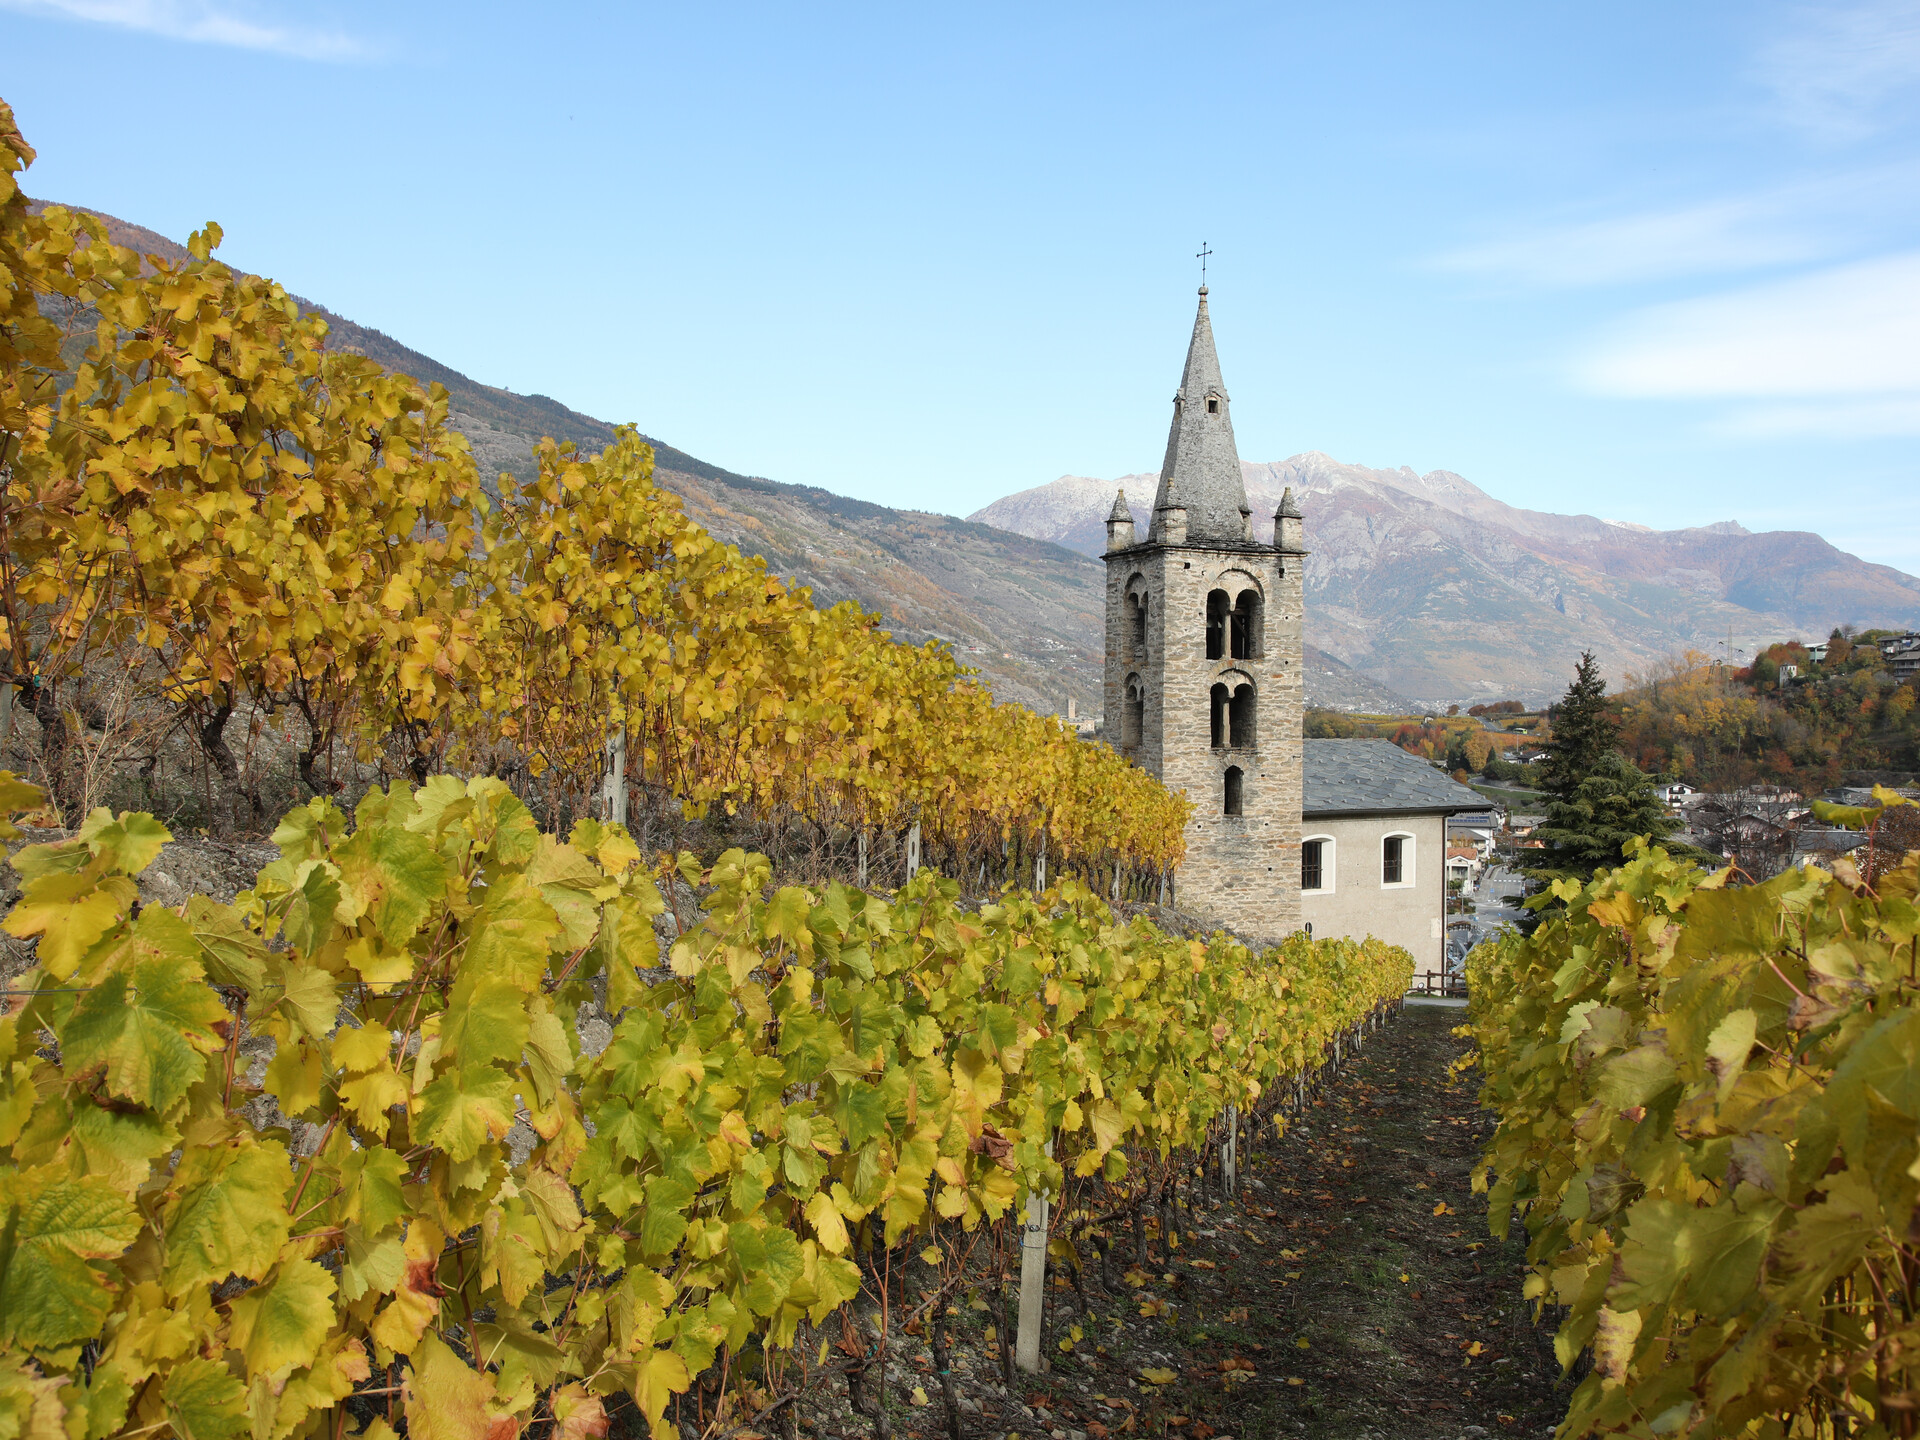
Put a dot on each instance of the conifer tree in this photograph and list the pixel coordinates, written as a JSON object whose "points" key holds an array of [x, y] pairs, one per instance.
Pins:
{"points": [[1584, 730], [1587, 828], [1597, 800]]}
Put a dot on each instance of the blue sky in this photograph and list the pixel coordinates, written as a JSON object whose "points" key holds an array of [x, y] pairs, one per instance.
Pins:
{"points": [[1659, 263]]}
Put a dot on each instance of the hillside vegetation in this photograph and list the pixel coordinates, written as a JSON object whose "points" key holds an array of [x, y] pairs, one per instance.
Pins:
{"points": [[241, 563], [1720, 729]]}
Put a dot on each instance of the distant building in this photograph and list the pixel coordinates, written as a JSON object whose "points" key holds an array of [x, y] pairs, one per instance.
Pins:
{"points": [[1902, 654]]}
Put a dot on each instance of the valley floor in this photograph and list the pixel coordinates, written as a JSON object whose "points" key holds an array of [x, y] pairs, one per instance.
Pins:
{"points": [[1350, 1292]]}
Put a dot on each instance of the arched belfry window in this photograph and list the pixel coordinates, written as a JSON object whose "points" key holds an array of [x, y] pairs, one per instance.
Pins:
{"points": [[1235, 781], [1247, 626], [1137, 614], [1218, 609], [1240, 717], [1133, 721], [1230, 713]]}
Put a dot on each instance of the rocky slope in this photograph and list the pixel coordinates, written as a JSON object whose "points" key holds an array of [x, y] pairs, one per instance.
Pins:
{"points": [[1429, 585]]}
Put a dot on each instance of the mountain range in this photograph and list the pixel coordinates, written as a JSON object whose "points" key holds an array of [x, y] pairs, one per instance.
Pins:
{"points": [[1420, 586], [1429, 585]]}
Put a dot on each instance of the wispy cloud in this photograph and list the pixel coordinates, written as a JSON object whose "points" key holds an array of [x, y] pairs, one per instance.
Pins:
{"points": [[205, 22], [1836, 352], [1783, 225], [1834, 67], [1713, 237]]}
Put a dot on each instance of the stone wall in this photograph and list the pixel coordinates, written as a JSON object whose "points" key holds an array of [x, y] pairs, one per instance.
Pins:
{"points": [[1241, 871]]}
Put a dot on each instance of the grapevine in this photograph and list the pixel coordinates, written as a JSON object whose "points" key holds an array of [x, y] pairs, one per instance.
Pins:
{"points": [[813, 1075], [1709, 1121]]}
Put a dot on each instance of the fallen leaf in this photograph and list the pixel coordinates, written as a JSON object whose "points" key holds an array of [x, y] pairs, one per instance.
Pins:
{"points": [[1159, 1376]]}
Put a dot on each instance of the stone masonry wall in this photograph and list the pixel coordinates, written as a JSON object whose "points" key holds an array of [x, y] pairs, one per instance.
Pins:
{"points": [[1241, 871]]}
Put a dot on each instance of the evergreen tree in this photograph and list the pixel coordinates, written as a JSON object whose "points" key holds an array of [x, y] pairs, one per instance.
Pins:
{"points": [[1584, 730], [1587, 827], [1597, 800]]}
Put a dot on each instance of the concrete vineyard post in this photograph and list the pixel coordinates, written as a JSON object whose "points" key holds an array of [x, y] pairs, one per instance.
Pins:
{"points": [[613, 782], [1033, 1280]]}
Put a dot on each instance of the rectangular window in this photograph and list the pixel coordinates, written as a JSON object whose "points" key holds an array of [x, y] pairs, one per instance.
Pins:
{"points": [[1310, 865], [1390, 860]]}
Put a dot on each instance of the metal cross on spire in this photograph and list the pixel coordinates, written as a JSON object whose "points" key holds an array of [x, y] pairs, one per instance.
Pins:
{"points": [[1201, 256]]}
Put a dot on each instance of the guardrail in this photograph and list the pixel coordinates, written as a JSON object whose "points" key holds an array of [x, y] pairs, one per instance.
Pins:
{"points": [[1447, 984]]}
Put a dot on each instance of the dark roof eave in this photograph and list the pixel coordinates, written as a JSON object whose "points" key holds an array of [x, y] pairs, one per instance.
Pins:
{"points": [[1366, 810]]}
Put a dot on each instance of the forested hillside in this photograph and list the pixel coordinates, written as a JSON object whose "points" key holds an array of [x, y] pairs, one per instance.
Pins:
{"points": [[1720, 728]]}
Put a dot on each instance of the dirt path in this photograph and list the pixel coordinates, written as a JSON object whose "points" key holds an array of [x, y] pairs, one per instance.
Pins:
{"points": [[1352, 1292]]}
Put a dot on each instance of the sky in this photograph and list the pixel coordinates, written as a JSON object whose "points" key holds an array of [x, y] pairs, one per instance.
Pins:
{"points": [[1652, 262]]}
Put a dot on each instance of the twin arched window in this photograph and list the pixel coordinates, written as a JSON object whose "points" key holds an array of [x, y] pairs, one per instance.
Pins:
{"points": [[1232, 714], [1233, 626]]}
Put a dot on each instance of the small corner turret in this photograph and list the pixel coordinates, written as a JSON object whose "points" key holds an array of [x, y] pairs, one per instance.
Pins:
{"points": [[1289, 530], [1119, 525]]}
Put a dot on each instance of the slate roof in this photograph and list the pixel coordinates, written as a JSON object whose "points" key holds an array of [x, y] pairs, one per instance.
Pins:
{"points": [[1202, 470], [1355, 777]]}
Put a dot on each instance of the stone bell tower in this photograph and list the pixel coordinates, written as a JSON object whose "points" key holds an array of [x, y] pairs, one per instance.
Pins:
{"points": [[1204, 675]]}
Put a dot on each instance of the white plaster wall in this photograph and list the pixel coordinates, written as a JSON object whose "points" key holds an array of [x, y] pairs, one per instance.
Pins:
{"points": [[1358, 905]]}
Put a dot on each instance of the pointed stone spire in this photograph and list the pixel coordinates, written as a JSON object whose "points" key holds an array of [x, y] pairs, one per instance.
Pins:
{"points": [[1201, 474], [1119, 524]]}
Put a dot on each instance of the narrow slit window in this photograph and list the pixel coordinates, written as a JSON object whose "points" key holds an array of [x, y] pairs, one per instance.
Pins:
{"points": [[1392, 860], [1235, 782]]}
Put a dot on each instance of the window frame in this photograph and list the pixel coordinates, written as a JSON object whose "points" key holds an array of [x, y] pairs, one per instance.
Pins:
{"points": [[1407, 878], [1329, 850]]}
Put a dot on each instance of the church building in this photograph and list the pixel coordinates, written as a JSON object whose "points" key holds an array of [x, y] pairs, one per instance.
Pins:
{"points": [[1205, 687], [1204, 659]]}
